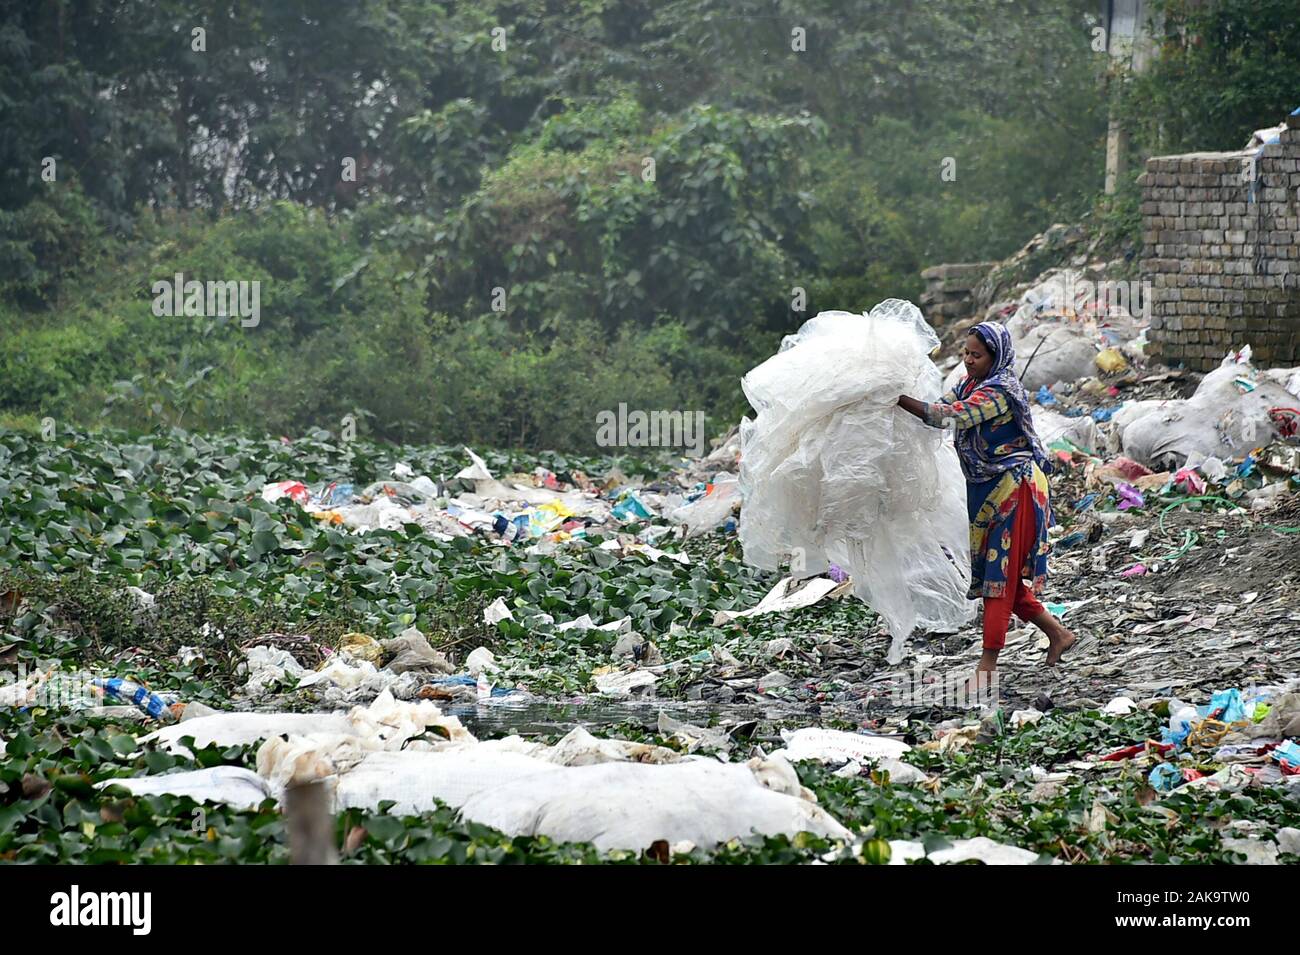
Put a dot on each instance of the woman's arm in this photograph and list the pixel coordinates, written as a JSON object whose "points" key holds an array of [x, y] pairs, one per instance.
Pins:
{"points": [[912, 406], [983, 404]]}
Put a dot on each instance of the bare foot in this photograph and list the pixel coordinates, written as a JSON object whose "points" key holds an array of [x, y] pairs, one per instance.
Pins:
{"points": [[985, 681], [1058, 642], [981, 687]]}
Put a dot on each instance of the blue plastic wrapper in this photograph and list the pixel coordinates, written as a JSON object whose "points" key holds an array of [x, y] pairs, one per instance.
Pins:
{"points": [[1070, 540], [465, 679], [1103, 414], [1045, 396], [1225, 705], [1165, 777], [629, 506], [510, 528], [1288, 754], [128, 691], [335, 495]]}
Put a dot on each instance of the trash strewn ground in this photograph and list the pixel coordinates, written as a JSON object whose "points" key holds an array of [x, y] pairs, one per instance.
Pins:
{"points": [[212, 619]]}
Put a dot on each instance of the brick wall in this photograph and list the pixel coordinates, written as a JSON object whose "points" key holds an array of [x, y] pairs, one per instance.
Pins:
{"points": [[949, 289], [1223, 267]]}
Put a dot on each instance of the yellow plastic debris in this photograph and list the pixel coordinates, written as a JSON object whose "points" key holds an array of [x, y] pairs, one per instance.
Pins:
{"points": [[1111, 361], [362, 647]]}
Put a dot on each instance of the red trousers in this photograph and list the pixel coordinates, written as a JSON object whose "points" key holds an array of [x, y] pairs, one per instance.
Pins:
{"points": [[1018, 597]]}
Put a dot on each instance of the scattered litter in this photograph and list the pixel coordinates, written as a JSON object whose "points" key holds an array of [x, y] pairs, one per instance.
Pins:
{"points": [[835, 745], [790, 594], [625, 683]]}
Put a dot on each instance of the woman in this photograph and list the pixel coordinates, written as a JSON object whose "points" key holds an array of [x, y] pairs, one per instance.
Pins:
{"points": [[1006, 490]]}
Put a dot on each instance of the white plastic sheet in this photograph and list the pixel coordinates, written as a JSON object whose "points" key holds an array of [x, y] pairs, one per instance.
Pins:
{"points": [[980, 849], [1081, 431], [632, 805], [230, 785], [833, 472], [417, 781], [813, 742]]}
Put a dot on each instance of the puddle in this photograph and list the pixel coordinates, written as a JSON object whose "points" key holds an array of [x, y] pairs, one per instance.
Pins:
{"points": [[549, 717]]}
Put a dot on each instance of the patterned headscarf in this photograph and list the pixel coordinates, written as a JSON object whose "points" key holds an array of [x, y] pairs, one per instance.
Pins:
{"points": [[1003, 377]]}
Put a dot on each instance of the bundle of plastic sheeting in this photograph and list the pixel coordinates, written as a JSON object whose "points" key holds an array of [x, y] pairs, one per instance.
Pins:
{"points": [[1226, 417], [632, 805], [385, 722], [240, 729], [613, 793], [417, 781], [833, 472], [453, 772]]}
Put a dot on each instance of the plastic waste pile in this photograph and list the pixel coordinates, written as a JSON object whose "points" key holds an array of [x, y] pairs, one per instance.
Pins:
{"points": [[537, 510], [1237, 739], [833, 472], [362, 668], [1067, 327], [612, 793], [1237, 436]]}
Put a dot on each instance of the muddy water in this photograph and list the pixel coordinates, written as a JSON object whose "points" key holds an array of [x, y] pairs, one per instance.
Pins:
{"points": [[550, 717]]}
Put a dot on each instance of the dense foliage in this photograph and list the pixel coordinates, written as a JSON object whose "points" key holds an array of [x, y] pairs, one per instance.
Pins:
{"points": [[1224, 69], [556, 207], [484, 222]]}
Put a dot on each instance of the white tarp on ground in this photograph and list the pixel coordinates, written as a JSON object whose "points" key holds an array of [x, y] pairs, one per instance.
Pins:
{"points": [[632, 805], [833, 472], [228, 785], [613, 793]]}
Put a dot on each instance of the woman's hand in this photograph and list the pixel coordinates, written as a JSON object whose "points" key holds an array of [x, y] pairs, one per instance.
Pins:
{"points": [[912, 406]]}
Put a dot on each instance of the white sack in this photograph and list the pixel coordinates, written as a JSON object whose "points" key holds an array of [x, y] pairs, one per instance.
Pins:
{"points": [[1217, 421]]}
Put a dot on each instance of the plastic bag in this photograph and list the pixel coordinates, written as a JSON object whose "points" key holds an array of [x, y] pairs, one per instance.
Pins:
{"points": [[705, 513], [834, 472], [1052, 427], [1053, 352]]}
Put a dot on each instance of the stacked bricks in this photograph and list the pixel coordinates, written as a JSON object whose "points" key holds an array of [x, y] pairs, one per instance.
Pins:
{"points": [[1223, 251], [948, 290]]}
